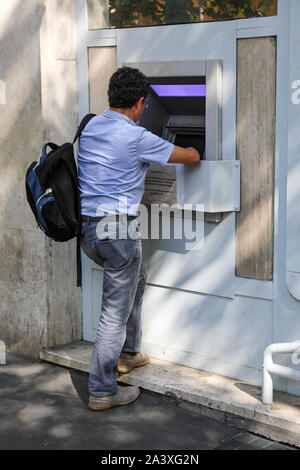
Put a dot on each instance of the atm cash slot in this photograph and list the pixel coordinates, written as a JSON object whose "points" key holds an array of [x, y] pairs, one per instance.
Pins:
{"points": [[187, 137], [186, 131]]}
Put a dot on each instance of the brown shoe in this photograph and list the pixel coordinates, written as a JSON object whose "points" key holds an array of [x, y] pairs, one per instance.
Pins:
{"points": [[124, 396], [128, 362]]}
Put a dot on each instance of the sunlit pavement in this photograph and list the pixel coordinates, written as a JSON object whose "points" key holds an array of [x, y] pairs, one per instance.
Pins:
{"points": [[44, 406]]}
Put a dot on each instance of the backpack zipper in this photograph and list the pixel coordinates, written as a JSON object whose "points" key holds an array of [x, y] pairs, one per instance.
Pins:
{"points": [[48, 191]]}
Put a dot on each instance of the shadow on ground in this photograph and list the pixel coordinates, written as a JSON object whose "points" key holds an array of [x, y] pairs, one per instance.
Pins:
{"points": [[44, 406]]}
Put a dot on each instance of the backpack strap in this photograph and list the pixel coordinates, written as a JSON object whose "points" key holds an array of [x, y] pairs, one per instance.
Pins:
{"points": [[82, 125], [78, 262]]}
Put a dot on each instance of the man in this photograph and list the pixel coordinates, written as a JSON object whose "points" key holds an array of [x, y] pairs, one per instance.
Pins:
{"points": [[113, 158]]}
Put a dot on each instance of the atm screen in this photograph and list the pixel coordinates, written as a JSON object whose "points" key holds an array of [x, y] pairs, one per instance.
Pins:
{"points": [[188, 140]]}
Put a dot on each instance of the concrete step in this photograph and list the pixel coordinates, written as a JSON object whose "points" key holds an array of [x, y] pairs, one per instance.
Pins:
{"points": [[232, 401]]}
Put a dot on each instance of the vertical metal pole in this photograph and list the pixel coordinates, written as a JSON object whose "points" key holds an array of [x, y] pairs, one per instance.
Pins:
{"points": [[267, 387]]}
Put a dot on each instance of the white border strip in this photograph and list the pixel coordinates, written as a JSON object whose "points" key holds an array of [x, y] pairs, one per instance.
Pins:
{"points": [[101, 38]]}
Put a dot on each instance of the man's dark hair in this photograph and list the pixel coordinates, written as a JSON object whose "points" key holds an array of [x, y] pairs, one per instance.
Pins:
{"points": [[126, 87]]}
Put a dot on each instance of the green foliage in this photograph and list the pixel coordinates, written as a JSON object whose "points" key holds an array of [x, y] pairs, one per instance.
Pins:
{"points": [[133, 12], [180, 11], [229, 9], [145, 12]]}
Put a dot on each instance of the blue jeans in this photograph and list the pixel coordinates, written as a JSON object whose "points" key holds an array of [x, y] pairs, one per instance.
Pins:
{"points": [[124, 283]]}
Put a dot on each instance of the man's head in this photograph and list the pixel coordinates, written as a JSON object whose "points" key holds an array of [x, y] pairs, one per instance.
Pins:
{"points": [[127, 92]]}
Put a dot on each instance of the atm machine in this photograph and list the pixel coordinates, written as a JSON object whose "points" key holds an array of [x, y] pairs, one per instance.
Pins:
{"points": [[186, 108]]}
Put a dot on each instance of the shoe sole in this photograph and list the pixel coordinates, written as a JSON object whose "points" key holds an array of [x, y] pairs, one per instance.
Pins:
{"points": [[105, 406], [122, 369]]}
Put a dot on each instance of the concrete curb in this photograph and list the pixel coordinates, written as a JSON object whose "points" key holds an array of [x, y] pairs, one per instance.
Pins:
{"points": [[232, 401]]}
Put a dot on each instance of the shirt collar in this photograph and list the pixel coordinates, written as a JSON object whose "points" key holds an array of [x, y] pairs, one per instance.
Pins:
{"points": [[108, 113]]}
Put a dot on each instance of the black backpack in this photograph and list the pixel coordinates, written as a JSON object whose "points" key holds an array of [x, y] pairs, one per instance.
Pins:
{"points": [[53, 194]]}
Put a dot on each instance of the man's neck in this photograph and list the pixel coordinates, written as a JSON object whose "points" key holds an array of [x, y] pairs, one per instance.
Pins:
{"points": [[126, 111]]}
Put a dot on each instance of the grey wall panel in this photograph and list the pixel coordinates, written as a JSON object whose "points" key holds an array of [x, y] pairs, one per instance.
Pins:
{"points": [[207, 332], [102, 64], [208, 270], [256, 113]]}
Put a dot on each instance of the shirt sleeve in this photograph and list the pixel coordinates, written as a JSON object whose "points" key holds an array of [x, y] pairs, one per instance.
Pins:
{"points": [[154, 149]]}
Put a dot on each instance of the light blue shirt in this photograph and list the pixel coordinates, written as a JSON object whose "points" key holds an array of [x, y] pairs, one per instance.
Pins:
{"points": [[113, 158]]}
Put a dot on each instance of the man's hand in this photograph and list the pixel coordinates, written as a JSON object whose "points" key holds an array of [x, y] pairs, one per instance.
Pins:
{"points": [[188, 156]]}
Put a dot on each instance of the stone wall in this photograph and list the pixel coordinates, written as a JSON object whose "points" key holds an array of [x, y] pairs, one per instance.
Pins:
{"points": [[40, 304]]}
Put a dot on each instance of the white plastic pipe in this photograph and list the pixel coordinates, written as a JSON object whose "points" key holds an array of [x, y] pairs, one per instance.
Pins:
{"points": [[270, 368]]}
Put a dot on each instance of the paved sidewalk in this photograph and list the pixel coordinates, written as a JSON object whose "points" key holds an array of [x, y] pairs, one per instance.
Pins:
{"points": [[44, 406], [228, 400]]}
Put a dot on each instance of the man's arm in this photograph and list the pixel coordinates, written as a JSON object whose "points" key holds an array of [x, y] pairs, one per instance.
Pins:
{"points": [[188, 156]]}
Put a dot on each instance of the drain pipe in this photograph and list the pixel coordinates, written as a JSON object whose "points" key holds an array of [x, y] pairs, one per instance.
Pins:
{"points": [[270, 368]]}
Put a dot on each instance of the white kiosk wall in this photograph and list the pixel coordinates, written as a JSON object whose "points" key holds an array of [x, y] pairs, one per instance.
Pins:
{"points": [[191, 314]]}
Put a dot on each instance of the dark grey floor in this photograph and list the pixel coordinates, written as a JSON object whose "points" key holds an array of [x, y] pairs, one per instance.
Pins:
{"points": [[44, 406]]}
